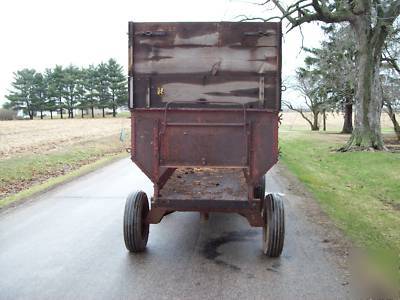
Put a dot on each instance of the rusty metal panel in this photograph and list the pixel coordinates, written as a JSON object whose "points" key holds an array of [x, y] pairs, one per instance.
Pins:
{"points": [[239, 62], [234, 145], [200, 146]]}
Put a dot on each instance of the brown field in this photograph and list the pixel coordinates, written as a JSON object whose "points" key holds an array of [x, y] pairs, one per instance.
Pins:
{"points": [[293, 120], [39, 136]]}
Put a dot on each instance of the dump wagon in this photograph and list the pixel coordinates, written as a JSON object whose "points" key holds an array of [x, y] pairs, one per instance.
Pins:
{"points": [[205, 99]]}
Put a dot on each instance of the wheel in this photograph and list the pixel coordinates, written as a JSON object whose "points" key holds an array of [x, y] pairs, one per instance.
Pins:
{"points": [[136, 231], [274, 225], [259, 190]]}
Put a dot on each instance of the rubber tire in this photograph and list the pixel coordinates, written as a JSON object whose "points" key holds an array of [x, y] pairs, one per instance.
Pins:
{"points": [[136, 231], [274, 225], [259, 190]]}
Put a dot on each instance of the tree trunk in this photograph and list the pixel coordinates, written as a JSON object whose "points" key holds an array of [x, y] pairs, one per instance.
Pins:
{"points": [[367, 125], [392, 116], [315, 125], [114, 112], [104, 115], [41, 114], [92, 111], [72, 113], [348, 117], [51, 114], [82, 113], [324, 119], [61, 109]]}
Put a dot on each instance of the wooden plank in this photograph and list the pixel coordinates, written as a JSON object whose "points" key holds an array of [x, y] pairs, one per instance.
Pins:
{"points": [[226, 61], [240, 89], [209, 60], [208, 34], [205, 47]]}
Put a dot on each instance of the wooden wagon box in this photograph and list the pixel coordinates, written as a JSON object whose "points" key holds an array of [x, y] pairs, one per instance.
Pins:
{"points": [[205, 101]]}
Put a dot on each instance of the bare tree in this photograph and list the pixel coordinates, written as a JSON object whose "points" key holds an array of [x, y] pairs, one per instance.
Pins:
{"points": [[371, 21], [391, 78], [309, 85]]}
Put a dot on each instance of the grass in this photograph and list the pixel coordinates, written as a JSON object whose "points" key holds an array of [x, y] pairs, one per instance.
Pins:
{"points": [[360, 191], [53, 182], [27, 174]]}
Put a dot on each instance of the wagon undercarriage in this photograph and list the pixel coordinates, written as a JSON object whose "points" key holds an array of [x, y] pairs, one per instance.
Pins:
{"points": [[207, 190]]}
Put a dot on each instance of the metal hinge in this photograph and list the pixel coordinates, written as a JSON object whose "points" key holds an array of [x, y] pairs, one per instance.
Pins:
{"points": [[151, 33]]}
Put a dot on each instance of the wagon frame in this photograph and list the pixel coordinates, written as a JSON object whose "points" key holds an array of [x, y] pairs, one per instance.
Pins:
{"points": [[224, 147]]}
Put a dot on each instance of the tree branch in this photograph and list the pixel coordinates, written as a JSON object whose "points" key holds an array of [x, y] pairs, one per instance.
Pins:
{"points": [[299, 110], [321, 12]]}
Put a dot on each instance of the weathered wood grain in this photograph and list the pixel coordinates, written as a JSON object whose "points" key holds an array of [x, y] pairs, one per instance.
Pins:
{"points": [[226, 61], [205, 60], [242, 88]]}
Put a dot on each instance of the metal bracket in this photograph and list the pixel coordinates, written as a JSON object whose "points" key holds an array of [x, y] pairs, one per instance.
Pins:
{"points": [[257, 33], [261, 88]]}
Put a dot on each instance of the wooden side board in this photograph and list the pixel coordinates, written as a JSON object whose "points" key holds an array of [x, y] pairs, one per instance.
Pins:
{"points": [[235, 62]]}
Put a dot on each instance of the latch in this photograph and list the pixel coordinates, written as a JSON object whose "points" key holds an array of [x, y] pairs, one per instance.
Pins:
{"points": [[160, 91]]}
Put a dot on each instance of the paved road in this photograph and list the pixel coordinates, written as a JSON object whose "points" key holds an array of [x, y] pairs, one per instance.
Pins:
{"points": [[68, 244]]}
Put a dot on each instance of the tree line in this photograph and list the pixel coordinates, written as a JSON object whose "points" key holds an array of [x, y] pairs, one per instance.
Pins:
{"points": [[67, 89], [328, 81], [371, 24]]}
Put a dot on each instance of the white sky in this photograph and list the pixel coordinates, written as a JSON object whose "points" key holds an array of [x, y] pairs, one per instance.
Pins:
{"points": [[42, 33]]}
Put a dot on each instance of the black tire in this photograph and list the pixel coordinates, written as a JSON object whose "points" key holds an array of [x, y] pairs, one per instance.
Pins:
{"points": [[259, 190], [274, 225], [136, 231]]}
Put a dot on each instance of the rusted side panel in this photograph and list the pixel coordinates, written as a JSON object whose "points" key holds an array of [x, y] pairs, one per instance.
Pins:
{"points": [[236, 62], [205, 138]]}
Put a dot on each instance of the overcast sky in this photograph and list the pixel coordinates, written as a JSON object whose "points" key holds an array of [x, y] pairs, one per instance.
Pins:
{"points": [[42, 33]]}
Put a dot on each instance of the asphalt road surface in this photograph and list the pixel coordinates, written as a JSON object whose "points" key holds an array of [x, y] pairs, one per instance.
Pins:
{"points": [[68, 244]]}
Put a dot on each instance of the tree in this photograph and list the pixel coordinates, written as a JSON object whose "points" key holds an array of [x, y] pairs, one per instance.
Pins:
{"points": [[391, 98], [335, 61], [80, 92], [391, 78], [71, 82], [309, 85], [51, 100], [338, 62], [372, 22], [23, 94], [57, 86], [40, 90], [103, 87], [117, 85], [90, 78]]}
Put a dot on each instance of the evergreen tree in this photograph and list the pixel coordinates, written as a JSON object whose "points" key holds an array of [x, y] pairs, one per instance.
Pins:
{"points": [[23, 94], [71, 79], [117, 85], [40, 90], [91, 96], [56, 84], [51, 100], [103, 87]]}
